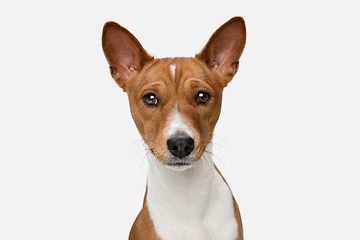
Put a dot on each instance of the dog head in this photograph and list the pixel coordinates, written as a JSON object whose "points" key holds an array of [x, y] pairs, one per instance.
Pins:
{"points": [[175, 102]]}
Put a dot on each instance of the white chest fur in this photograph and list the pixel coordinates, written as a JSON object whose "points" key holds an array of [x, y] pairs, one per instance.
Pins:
{"points": [[192, 204]]}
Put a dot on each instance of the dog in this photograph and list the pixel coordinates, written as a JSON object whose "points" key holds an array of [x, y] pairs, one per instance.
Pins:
{"points": [[175, 104]]}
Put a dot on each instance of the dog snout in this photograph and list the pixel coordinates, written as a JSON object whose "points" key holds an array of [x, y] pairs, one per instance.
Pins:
{"points": [[180, 146]]}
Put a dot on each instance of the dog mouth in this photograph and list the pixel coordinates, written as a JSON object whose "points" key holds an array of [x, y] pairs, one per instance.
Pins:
{"points": [[178, 164]]}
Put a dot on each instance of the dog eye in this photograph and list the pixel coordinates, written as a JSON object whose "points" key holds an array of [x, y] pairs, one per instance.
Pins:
{"points": [[150, 99], [203, 97]]}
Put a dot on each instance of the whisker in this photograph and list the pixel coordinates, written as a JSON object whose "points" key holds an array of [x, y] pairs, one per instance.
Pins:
{"points": [[139, 151], [137, 141], [207, 157], [212, 154], [144, 145], [147, 152], [215, 137]]}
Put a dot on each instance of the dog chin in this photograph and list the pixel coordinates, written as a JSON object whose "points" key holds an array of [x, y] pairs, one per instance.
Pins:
{"points": [[178, 167]]}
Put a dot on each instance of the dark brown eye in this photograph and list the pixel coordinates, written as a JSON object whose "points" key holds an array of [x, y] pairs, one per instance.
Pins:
{"points": [[203, 97], [150, 99]]}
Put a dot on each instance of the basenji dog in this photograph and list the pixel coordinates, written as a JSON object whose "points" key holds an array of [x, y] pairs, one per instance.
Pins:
{"points": [[175, 104]]}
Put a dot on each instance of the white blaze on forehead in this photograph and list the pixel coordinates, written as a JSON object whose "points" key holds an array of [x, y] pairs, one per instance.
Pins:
{"points": [[177, 125], [172, 71]]}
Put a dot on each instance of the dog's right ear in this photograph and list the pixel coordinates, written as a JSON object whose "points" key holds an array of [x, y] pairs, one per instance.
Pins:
{"points": [[123, 52]]}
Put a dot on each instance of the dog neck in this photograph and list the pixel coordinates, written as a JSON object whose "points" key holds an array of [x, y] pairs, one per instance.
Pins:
{"points": [[182, 188], [195, 202]]}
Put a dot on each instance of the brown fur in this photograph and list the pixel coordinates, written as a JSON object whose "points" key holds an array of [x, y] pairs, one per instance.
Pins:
{"points": [[236, 210], [143, 227]]}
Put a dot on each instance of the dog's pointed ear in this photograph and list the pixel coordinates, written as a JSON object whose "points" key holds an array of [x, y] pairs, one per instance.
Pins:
{"points": [[224, 48], [123, 52]]}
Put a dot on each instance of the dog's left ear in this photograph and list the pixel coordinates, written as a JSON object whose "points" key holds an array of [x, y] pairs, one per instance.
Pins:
{"points": [[224, 48]]}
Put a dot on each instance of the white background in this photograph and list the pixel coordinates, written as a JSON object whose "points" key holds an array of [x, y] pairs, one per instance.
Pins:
{"points": [[288, 140]]}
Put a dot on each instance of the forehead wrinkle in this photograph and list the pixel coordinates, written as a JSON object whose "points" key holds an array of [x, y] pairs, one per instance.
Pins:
{"points": [[155, 85], [147, 84]]}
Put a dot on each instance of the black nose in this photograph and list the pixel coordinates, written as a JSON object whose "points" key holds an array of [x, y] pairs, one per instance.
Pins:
{"points": [[180, 146]]}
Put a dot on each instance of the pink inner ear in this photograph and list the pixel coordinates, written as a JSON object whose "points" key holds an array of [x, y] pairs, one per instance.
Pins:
{"points": [[123, 56], [214, 65], [122, 73], [225, 56], [133, 68], [227, 70]]}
